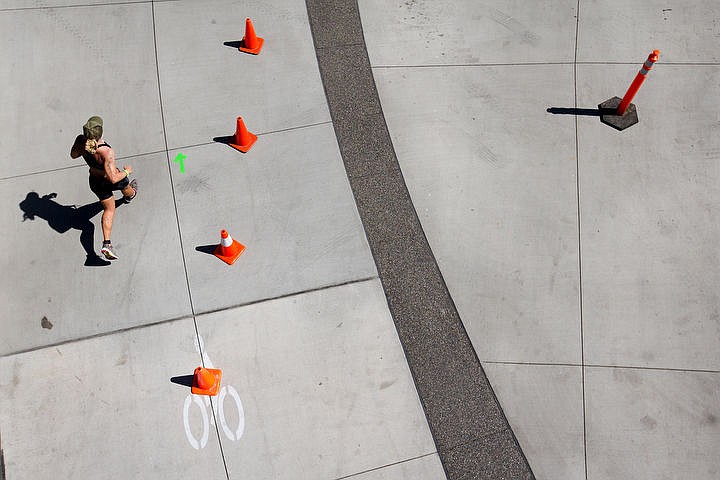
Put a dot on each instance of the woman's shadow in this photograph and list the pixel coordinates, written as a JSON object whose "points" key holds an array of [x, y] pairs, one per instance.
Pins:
{"points": [[62, 218]]}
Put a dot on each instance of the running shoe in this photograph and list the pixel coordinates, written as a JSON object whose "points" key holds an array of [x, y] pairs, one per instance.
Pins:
{"points": [[107, 250], [134, 185]]}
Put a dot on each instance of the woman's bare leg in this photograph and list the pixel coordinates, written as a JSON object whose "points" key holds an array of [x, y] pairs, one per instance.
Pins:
{"points": [[107, 217]]}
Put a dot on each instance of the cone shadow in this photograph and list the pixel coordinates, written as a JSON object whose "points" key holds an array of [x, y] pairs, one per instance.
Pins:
{"points": [[209, 249], [234, 44], [225, 140], [185, 380]]}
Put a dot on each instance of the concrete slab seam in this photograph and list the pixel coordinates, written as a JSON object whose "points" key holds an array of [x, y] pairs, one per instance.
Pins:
{"points": [[81, 165], [129, 2], [579, 237], [286, 295], [594, 365], [462, 410], [53, 170], [90, 337], [181, 147], [167, 156], [178, 319], [177, 220], [534, 64], [465, 65], [144, 154], [384, 466], [290, 129]]}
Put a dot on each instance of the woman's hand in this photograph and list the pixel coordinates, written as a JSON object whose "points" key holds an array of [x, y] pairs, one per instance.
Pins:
{"points": [[128, 168]]}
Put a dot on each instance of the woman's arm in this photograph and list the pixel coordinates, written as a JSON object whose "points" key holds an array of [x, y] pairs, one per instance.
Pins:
{"points": [[78, 147], [111, 172]]}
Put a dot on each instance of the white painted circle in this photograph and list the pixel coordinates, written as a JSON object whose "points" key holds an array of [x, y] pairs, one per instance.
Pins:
{"points": [[197, 445], [221, 413]]}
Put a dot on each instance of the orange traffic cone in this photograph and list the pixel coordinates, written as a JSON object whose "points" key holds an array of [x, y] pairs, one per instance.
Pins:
{"points": [[206, 381], [243, 139], [229, 250], [250, 43]]}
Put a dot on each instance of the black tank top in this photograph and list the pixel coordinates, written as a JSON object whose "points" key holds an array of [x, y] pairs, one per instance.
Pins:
{"points": [[90, 158]]}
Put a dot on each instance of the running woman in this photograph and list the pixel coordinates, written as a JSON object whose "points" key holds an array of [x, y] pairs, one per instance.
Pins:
{"points": [[105, 177]]}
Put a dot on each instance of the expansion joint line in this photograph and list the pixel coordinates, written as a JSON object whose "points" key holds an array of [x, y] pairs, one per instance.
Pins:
{"points": [[179, 230], [579, 237]]}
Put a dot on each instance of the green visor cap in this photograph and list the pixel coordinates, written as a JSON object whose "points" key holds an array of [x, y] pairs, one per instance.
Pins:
{"points": [[93, 128]]}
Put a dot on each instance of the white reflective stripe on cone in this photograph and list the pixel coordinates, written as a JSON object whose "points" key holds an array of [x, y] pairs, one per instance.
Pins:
{"points": [[226, 242]]}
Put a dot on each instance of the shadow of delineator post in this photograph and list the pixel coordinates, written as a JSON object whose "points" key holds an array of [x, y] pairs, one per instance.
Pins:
{"points": [[607, 111], [62, 218], [590, 112]]}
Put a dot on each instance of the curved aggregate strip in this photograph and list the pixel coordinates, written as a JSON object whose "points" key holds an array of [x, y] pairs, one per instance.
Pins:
{"points": [[471, 433]]}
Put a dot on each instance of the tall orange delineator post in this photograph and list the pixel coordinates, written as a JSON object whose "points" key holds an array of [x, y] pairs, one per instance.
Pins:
{"points": [[620, 113], [639, 79]]}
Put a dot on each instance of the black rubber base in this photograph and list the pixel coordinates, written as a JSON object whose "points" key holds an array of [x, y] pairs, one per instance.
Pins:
{"points": [[608, 110]]}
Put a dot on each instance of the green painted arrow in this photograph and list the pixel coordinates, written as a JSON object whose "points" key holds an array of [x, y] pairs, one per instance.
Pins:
{"points": [[180, 157]]}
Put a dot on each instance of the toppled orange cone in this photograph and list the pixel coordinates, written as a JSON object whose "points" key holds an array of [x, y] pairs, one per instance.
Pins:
{"points": [[229, 250], [251, 43], [243, 139], [206, 381]]}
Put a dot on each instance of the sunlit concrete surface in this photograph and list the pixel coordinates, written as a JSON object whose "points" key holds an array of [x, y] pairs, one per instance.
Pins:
{"points": [[545, 402], [46, 240], [207, 84], [288, 201], [427, 32], [326, 390], [583, 261], [102, 355], [494, 187], [315, 383], [618, 31], [34, 4], [650, 228], [105, 408], [564, 242], [428, 467], [661, 421], [67, 64]]}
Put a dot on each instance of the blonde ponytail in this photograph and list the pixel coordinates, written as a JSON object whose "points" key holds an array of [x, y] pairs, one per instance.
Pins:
{"points": [[91, 145]]}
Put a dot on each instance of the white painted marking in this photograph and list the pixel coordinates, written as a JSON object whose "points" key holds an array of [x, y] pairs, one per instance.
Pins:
{"points": [[221, 413], [186, 421], [203, 401]]}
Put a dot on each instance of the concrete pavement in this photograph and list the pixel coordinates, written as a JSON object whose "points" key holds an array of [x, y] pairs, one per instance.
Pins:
{"points": [[582, 261], [95, 359]]}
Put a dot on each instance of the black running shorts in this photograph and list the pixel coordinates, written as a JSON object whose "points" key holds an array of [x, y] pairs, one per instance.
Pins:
{"points": [[103, 189]]}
